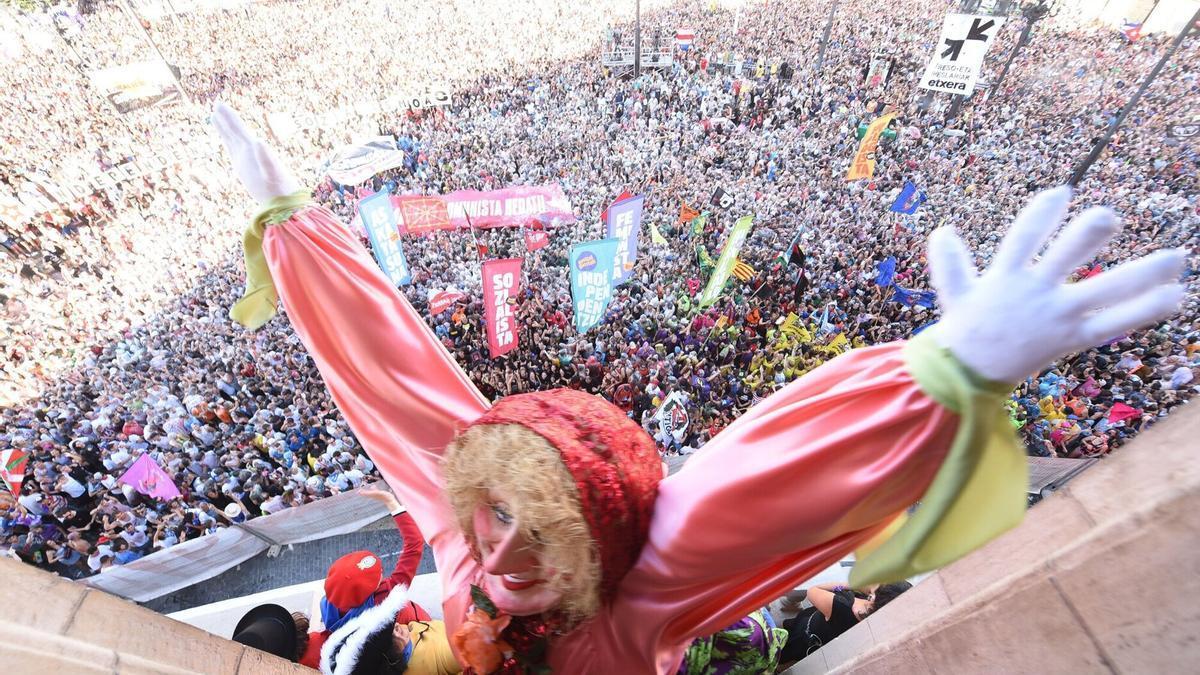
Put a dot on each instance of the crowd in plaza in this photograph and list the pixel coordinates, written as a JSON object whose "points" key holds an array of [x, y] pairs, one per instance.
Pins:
{"points": [[116, 336]]}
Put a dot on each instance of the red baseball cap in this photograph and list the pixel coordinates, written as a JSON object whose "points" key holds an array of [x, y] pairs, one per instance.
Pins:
{"points": [[352, 579]]}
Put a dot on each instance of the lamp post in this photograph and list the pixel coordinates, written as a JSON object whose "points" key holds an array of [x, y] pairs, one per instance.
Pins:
{"points": [[1032, 13], [637, 41], [134, 18], [825, 37]]}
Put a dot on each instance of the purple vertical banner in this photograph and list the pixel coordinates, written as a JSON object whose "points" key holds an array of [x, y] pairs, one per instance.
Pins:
{"points": [[624, 223]]}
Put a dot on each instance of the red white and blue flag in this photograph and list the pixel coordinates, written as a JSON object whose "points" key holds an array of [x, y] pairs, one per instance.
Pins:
{"points": [[684, 38], [1132, 31]]}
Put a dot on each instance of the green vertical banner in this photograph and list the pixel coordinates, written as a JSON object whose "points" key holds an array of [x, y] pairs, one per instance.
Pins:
{"points": [[737, 237]]}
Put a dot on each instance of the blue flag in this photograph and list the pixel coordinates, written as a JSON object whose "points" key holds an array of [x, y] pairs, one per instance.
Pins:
{"points": [[379, 219], [824, 326], [918, 329], [909, 199], [887, 270], [624, 223], [908, 297], [592, 280]]}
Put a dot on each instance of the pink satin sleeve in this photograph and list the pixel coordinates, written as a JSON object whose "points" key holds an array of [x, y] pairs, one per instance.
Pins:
{"points": [[401, 392], [788, 489]]}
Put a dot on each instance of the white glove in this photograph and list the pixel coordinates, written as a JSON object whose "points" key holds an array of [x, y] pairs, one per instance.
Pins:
{"points": [[259, 169], [1019, 317]]}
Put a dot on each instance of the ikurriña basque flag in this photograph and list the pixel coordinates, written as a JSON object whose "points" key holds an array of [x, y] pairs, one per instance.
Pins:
{"points": [[909, 199]]}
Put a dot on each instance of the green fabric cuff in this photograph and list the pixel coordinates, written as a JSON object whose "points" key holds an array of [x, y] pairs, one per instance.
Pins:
{"points": [[978, 493], [257, 305]]}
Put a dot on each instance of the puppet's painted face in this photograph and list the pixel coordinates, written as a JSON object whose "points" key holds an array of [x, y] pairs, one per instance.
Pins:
{"points": [[517, 576]]}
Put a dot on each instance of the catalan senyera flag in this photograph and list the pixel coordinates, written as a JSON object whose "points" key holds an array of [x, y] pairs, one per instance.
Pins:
{"points": [[743, 271], [863, 165]]}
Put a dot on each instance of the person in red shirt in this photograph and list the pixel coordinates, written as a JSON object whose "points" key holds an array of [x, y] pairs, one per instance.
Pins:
{"points": [[132, 428], [355, 581]]}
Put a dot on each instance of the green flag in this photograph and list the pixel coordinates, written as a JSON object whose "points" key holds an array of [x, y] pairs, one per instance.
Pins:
{"points": [[737, 237], [656, 236], [698, 224]]}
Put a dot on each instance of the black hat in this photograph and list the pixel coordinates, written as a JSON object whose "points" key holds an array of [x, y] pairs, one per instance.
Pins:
{"points": [[269, 628]]}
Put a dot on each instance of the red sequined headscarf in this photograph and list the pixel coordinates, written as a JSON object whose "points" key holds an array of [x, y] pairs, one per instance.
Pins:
{"points": [[614, 463]]}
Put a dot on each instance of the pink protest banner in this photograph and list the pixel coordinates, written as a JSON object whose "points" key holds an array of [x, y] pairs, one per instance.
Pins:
{"points": [[510, 207], [501, 286], [536, 239], [443, 300], [148, 478]]}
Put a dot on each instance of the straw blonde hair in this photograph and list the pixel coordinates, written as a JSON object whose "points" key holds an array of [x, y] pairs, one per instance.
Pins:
{"points": [[542, 496]]}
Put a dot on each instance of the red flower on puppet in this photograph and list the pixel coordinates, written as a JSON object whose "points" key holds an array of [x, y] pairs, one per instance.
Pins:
{"points": [[477, 640]]}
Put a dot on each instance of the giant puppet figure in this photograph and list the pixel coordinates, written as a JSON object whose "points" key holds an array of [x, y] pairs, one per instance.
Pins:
{"points": [[559, 542]]}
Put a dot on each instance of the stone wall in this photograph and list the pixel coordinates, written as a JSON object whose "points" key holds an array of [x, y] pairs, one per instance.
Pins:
{"points": [[53, 625], [1101, 577]]}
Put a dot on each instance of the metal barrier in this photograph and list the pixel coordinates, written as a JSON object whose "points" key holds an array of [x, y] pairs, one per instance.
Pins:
{"points": [[204, 558]]}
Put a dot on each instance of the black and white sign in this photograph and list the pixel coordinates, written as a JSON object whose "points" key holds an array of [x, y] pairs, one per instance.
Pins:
{"points": [[673, 417], [959, 53], [722, 199]]}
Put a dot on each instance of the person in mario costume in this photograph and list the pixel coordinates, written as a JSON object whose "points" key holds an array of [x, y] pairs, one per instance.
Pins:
{"points": [[560, 544], [355, 581]]}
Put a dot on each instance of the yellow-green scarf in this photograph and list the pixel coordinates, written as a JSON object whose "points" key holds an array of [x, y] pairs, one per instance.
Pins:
{"points": [[977, 494], [257, 305]]}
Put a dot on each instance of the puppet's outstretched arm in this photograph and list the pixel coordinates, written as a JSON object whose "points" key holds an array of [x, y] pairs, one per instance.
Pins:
{"points": [[401, 392], [831, 462]]}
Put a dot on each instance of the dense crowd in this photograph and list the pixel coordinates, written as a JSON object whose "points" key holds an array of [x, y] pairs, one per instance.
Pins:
{"points": [[117, 341]]}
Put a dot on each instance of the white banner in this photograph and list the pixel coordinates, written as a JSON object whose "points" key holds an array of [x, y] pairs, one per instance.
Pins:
{"points": [[959, 53], [284, 124], [673, 416], [137, 85], [353, 164]]}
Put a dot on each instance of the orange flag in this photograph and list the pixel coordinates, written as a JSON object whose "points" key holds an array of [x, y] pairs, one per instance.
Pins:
{"points": [[687, 214], [863, 165]]}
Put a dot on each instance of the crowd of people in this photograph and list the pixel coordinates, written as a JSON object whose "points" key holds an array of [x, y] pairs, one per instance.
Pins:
{"points": [[117, 340]]}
